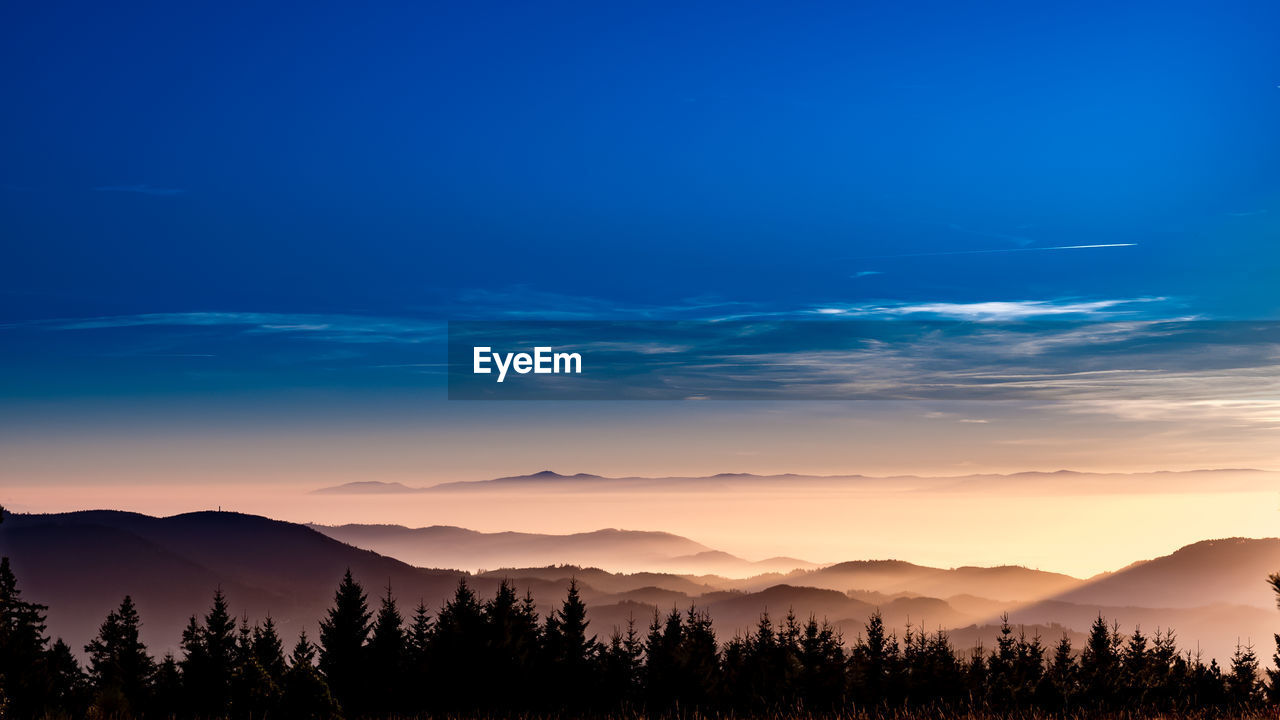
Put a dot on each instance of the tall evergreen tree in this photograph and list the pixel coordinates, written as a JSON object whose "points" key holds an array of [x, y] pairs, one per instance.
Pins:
{"points": [[306, 694], [872, 663], [511, 647], [457, 655], [388, 657], [119, 664], [418, 671], [254, 692], [342, 639], [822, 661], [1273, 674], [623, 660], [269, 650], [1062, 675], [166, 689], [1100, 664], [69, 685], [661, 647], [209, 653], [1244, 681], [25, 683]]}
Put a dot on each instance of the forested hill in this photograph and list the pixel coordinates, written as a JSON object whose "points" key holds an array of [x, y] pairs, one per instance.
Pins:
{"points": [[81, 564]]}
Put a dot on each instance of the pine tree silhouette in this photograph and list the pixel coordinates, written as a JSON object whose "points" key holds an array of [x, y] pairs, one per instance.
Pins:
{"points": [[1063, 675], [254, 692], [119, 664], [571, 649], [67, 681], [268, 650], [306, 694], [1100, 665], [512, 650], [457, 653], [25, 682], [342, 639], [1244, 679], [388, 658]]}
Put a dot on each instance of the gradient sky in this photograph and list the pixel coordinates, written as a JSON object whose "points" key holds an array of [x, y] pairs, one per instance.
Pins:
{"points": [[232, 235]]}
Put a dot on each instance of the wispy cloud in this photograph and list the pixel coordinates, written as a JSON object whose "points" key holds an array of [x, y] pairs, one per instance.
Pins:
{"points": [[333, 328], [999, 250], [990, 311], [141, 189]]}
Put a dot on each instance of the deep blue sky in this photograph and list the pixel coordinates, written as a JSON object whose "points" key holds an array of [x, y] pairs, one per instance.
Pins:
{"points": [[262, 196], [391, 158]]}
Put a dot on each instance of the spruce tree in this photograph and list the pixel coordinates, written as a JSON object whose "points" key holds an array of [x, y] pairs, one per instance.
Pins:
{"points": [[119, 664], [306, 694], [822, 661], [167, 691], [1243, 681], [69, 685], [209, 659], [24, 679], [1063, 672], [269, 650], [388, 657], [511, 647], [418, 672], [254, 693], [872, 663], [622, 664], [698, 660], [456, 654], [1273, 675], [342, 639], [1100, 664]]}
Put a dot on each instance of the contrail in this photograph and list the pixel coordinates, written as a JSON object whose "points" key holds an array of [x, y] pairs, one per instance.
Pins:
{"points": [[1000, 250]]}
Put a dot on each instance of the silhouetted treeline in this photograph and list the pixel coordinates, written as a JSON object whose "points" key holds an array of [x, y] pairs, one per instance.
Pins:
{"points": [[496, 656]]}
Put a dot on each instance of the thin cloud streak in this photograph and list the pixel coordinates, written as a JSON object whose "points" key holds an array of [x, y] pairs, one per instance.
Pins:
{"points": [[998, 250]]}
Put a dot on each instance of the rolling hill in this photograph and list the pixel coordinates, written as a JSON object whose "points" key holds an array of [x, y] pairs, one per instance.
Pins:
{"points": [[81, 564]]}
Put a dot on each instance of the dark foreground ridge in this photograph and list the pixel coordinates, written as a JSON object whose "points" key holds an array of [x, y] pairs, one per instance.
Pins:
{"points": [[497, 657]]}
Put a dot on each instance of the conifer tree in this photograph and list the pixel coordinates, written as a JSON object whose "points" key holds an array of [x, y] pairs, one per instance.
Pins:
{"points": [[511, 646], [209, 659], [1135, 668], [662, 643], [269, 650], [457, 655], [342, 640], [1243, 681], [119, 664], [1062, 674], [254, 693], [69, 685], [1100, 664], [306, 694], [418, 670], [571, 649], [167, 691], [1273, 675], [822, 661], [698, 660], [623, 662], [24, 679], [388, 657], [872, 663], [1028, 669]]}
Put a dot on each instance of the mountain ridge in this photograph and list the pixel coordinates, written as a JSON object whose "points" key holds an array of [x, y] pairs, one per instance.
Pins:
{"points": [[551, 476]]}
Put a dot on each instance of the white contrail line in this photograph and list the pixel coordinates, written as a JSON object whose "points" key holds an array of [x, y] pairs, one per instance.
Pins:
{"points": [[1000, 250]]}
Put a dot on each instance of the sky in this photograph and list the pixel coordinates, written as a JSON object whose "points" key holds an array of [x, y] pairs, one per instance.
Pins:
{"points": [[233, 235]]}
